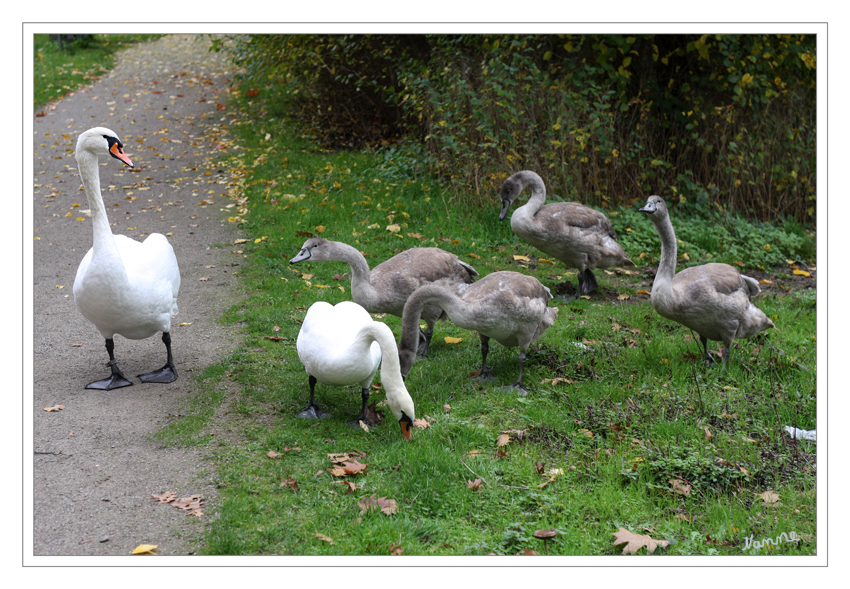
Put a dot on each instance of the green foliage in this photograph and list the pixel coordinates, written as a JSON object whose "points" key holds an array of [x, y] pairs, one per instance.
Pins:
{"points": [[59, 70], [717, 120]]}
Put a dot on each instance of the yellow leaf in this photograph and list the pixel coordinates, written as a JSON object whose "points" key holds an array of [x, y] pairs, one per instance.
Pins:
{"points": [[765, 282], [320, 228], [473, 453], [642, 292], [623, 297], [144, 549], [502, 440], [586, 433], [452, 340], [476, 256], [790, 261], [545, 261], [801, 273], [394, 228], [521, 258]]}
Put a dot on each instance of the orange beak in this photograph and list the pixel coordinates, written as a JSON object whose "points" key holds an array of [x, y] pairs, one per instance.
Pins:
{"points": [[405, 429], [116, 151]]}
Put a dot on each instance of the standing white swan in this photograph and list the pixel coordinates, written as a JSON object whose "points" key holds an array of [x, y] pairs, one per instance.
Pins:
{"points": [[123, 286], [341, 345], [510, 307], [386, 287], [712, 299], [579, 236]]}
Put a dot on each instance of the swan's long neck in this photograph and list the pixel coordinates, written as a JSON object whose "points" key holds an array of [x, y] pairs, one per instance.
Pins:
{"points": [[538, 194], [667, 264], [103, 242], [361, 289], [437, 294], [397, 395]]}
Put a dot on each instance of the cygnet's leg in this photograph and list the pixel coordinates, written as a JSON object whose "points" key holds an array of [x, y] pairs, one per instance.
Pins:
{"points": [[484, 373], [709, 358], [586, 283], [425, 341], [364, 394], [167, 373], [312, 411], [116, 380], [518, 386]]}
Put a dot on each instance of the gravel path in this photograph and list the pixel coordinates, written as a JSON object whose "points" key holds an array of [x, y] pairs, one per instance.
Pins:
{"points": [[95, 463]]}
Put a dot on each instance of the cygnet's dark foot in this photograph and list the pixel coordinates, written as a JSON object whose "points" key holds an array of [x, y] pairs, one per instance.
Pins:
{"points": [[516, 388], [313, 412], [356, 423], [116, 381], [165, 374]]}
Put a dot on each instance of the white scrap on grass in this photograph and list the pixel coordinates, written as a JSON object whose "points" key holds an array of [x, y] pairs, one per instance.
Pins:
{"points": [[802, 434]]}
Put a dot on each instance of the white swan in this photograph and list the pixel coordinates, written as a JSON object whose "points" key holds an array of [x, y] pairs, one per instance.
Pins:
{"points": [[712, 299], [385, 289], [510, 307], [341, 345], [123, 286], [578, 236]]}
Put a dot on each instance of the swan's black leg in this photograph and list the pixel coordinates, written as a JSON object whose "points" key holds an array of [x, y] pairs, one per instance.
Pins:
{"points": [[364, 394], [425, 341], [586, 283], [709, 358], [518, 386], [167, 373], [116, 380], [484, 373], [313, 411]]}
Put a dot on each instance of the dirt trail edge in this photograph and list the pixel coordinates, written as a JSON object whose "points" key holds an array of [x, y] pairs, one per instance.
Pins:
{"points": [[95, 461]]}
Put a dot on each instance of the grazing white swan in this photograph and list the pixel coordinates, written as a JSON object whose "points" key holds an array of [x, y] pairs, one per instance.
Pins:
{"points": [[123, 286], [385, 289], [712, 299], [510, 307], [341, 345], [578, 236]]}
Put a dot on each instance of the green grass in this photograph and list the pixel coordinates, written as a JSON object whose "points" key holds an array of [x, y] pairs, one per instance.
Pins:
{"points": [[59, 71], [631, 416]]}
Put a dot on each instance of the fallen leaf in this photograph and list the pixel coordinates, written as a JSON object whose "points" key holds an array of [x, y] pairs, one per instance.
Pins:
{"points": [[682, 517], [394, 228], [421, 423], [556, 380], [374, 415], [353, 467], [623, 297], [193, 504], [502, 440], [529, 552], [144, 549], [473, 453], [473, 485], [680, 487], [320, 228], [452, 340], [801, 273], [415, 235], [476, 256], [291, 483], [635, 542], [387, 506], [55, 408], [350, 486], [769, 498], [545, 261], [396, 549], [643, 292], [585, 432], [521, 258], [540, 466], [273, 454], [447, 407], [203, 279], [707, 433], [543, 484], [324, 538], [166, 497]]}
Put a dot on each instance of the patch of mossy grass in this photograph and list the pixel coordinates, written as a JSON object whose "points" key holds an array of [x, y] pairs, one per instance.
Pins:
{"points": [[58, 70], [634, 410]]}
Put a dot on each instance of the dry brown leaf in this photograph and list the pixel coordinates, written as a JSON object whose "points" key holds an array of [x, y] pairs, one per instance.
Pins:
{"points": [[421, 423], [544, 483], [635, 542], [447, 407], [623, 296], [502, 440], [166, 497], [473, 453], [396, 549], [273, 454], [387, 506], [769, 498], [473, 485], [55, 408], [707, 433], [540, 466], [529, 551], [291, 483], [350, 486], [337, 471], [353, 467], [556, 380], [194, 504], [680, 487], [324, 538]]}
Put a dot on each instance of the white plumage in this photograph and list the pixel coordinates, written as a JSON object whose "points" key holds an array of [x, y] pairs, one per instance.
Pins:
{"points": [[123, 286], [340, 345]]}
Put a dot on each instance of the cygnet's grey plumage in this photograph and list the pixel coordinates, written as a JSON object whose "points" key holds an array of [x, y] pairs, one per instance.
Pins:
{"points": [[712, 299], [510, 307], [386, 287], [578, 236]]}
